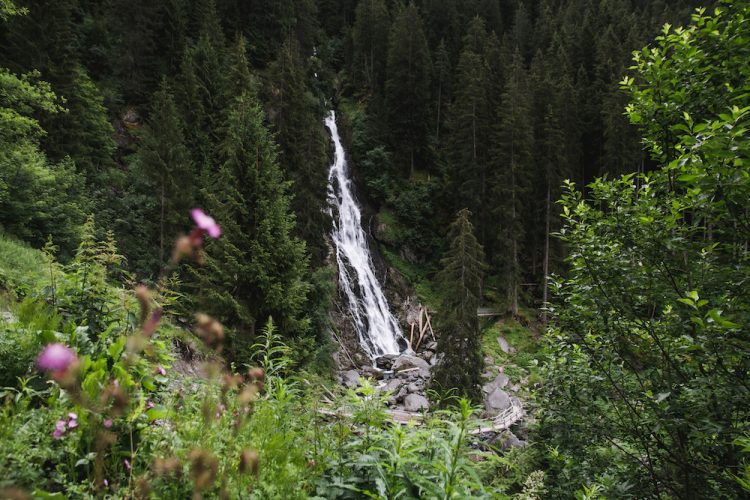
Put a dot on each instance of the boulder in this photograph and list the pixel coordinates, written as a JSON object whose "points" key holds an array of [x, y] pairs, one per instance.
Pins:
{"points": [[350, 378], [499, 383], [416, 402], [402, 393], [505, 346], [510, 440], [385, 362], [372, 372], [405, 362], [412, 388], [392, 385], [496, 401]]}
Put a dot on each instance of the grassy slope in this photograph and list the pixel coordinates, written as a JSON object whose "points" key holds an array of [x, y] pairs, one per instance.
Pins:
{"points": [[21, 267]]}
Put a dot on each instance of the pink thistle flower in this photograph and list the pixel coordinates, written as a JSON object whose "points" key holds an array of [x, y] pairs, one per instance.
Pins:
{"points": [[56, 358], [126, 462], [149, 404], [161, 371], [72, 416], [206, 223], [108, 423], [73, 424], [60, 425], [57, 435]]}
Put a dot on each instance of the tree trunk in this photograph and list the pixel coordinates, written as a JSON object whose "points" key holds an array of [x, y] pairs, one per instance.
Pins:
{"points": [[545, 286]]}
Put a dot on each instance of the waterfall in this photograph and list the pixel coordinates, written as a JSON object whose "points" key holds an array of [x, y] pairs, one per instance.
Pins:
{"points": [[377, 329]]}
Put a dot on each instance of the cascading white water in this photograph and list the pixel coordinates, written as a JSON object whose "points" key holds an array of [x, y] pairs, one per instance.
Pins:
{"points": [[377, 329]]}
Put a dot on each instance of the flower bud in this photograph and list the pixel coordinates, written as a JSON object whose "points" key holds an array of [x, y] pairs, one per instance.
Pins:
{"points": [[249, 462]]}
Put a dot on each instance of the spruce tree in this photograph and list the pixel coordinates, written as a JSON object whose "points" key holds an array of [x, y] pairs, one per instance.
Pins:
{"points": [[460, 282], [512, 164], [468, 125], [370, 44], [166, 169], [303, 144], [257, 268], [408, 89]]}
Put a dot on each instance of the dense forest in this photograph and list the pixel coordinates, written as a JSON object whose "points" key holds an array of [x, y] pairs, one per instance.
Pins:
{"points": [[171, 321]]}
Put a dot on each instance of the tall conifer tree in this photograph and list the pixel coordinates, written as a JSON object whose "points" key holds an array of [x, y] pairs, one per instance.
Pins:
{"points": [[408, 88], [460, 281]]}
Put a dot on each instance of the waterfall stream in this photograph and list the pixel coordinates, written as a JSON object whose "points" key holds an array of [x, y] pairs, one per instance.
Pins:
{"points": [[377, 329]]}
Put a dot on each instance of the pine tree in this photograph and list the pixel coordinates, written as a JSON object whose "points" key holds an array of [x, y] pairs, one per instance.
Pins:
{"points": [[460, 281], [257, 268], [512, 163], [164, 163], [303, 144], [370, 44], [468, 126], [407, 89], [442, 84]]}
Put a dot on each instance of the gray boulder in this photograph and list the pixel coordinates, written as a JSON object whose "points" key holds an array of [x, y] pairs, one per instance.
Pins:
{"points": [[416, 402], [392, 385], [406, 362], [385, 362], [499, 383], [496, 401], [350, 378]]}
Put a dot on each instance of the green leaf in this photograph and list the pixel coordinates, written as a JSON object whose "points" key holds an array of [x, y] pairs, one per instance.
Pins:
{"points": [[157, 413]]}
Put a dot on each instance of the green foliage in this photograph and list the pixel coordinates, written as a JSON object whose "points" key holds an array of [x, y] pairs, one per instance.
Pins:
{"points": [[258, 268], [645, 392], [407, 89], [167, 176], [376, 461], [460, 281]]}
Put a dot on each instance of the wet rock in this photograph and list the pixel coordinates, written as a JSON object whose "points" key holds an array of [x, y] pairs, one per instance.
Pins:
{"points": [[350, 378], [372, 372], [406, 362], [496, 401], [416, 402], [385, 362], [413, 388]]}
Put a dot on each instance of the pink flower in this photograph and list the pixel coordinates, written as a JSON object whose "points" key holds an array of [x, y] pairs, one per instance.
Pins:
{"points": [[161, 371], [60, 425], [57, 435], [149, 404], [108, 423], [127, 464], [206, 223], [73, 424], [55, 358], [72, 416]]}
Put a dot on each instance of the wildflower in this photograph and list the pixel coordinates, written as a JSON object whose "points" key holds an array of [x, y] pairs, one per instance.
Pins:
{"points": [[56, 358], [108, 423], [206, 223], [126, 463], [149, 404], [57, 434], [160, 370], [72, 424], [72, 416]]}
